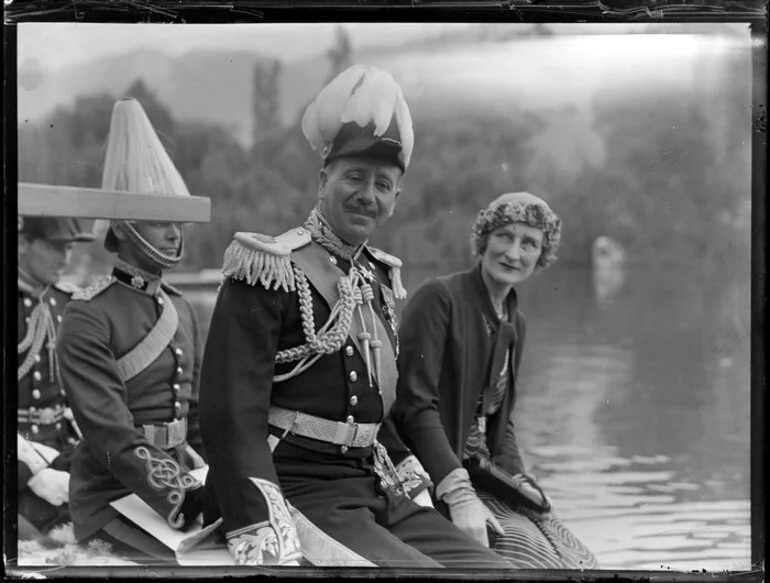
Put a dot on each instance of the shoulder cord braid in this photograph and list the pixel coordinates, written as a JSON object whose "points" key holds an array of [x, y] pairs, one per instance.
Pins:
{"points": [[330, 337], [333, 334], [40, 327], [367, 296]]}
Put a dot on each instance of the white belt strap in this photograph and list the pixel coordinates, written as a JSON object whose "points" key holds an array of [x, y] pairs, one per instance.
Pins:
{"points": [[152, 345], [334, 432]]}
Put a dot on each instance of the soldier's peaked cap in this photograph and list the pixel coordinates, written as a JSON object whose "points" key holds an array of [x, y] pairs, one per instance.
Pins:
{"points": [[57, 229], [361, 112]]}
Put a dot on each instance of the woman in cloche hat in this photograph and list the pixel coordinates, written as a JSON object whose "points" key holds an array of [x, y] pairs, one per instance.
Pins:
{"points": [[462, 338]]}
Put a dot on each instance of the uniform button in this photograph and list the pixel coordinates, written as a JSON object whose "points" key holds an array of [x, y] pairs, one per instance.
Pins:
{"points": [[353, 376], [35, 394], [32, 410], [27, 303], [350, 420], [176, 387], [58, 426], [37, 358], [26, 319], [333, 259], [53, 301], [178, 352], [62, 393], [35, 429], [179, 370], [344, 449], [58, 318], [37, 376], [160, 301], [177, 408], [353, 401], [348, 351]]}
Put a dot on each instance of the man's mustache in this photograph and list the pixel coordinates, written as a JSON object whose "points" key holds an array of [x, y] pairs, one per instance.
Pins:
{"points": [[362, 210]]}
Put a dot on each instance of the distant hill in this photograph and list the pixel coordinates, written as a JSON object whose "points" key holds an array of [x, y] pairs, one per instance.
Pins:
{"points": [[482, 67], [211, 85]]}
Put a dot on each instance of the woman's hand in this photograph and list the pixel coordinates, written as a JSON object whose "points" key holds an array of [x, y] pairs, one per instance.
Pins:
{"points": [[466, 510], [471, 515]]}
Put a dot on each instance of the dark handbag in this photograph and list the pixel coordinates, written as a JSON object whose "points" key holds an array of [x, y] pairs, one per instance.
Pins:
{"points": [[499, 483]]}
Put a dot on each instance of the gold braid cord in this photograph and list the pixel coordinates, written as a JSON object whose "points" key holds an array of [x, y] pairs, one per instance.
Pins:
{"points": [[331, 336], [165, 474], [40, 327]]}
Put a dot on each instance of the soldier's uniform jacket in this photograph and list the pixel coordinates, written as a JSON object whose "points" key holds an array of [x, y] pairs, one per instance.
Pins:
{"points": [[138, 418], [259, 316], [42, 405]]}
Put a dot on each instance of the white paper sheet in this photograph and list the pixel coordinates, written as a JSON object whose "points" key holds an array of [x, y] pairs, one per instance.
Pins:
{"points": [[196, 550]]}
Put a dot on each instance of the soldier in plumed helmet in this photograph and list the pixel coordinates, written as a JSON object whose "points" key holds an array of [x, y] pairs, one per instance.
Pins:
{"points": [[130, 349], [46, 436], [299, 370]]}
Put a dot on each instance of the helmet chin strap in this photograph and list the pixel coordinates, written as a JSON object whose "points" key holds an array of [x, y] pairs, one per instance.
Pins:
{"points": [[161, 261]]}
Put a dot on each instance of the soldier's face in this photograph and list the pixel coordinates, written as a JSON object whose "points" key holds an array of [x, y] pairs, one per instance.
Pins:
{"points": [[164, 237], [358, 195], [45, 261]]}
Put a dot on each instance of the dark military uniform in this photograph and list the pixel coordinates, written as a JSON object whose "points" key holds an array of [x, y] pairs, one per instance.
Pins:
{"points": [[42, 405], [320, 421], [134, 396]]}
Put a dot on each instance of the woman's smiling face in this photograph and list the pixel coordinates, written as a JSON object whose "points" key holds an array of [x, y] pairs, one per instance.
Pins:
{"points": [[512, 253]]}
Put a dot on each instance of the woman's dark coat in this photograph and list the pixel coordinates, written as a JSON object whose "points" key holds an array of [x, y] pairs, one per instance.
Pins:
{"points": [[445, 361]]}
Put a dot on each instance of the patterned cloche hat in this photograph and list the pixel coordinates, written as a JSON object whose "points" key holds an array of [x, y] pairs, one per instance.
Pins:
{"points": [[519, 207]]}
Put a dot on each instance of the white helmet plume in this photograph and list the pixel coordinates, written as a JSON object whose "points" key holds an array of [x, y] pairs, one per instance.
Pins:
{"points": [[363, 95]]}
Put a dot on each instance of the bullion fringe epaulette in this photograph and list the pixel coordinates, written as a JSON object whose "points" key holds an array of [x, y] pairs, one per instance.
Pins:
{"points": [[395, 264], [256, 258], [97, 286]]}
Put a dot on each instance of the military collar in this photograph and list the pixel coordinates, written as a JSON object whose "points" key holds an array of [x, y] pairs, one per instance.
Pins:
{"points": [[323, 234], [137, 278]]}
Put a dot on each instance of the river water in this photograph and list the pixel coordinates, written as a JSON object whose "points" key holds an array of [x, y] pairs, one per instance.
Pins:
{"points": [[633, 411]]}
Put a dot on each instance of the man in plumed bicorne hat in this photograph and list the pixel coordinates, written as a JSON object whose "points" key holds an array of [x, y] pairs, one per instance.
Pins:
{"points": [[46, 436], [299, 370], [130, 351]]}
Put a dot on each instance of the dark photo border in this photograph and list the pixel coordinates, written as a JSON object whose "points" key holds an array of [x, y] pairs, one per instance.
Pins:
{"points": [[752, 12]]}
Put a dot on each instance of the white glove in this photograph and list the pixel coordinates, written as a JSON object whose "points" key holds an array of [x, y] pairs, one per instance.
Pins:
{"points": [[51, 485], [423, 499], [467, 511]]}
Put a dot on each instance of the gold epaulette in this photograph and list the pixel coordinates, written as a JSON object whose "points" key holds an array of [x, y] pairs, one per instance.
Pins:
{"points": [[253, 257], [67, 287], [394, 263], [97, 286]]}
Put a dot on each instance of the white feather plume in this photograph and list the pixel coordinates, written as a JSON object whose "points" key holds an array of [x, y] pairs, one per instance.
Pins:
{"points": [[322, 119], [362, 95], [136, 160]]}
